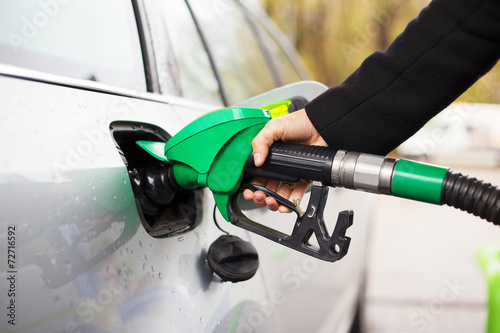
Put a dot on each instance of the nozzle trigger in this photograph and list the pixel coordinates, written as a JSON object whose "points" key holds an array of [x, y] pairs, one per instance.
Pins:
{"points": [[309, 224]]}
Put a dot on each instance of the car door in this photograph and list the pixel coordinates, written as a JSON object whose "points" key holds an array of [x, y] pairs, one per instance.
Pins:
{"points": [[75, 90], [85, 248]]}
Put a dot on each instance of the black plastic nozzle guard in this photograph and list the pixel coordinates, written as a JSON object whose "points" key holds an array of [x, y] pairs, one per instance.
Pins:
{"points": [[309, 224]]}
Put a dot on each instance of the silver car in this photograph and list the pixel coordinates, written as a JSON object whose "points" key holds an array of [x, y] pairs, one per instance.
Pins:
{"points": [[83, 249]]}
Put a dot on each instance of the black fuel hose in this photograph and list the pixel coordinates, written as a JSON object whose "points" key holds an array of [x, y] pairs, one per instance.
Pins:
{"points": [[472, 195]]}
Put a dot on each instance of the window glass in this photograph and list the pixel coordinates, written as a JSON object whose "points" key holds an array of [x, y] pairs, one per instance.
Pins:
{"points": [[197, 79], [86, 39], [286, 70], [234, 47]]}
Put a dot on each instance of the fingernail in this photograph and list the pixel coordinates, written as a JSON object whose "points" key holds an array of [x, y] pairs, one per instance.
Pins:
{"points": [[248, 195], [257, 157], [284, 209]]}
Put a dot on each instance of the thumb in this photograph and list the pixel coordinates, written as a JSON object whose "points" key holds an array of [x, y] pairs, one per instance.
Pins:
{"points": [[272, 131]]}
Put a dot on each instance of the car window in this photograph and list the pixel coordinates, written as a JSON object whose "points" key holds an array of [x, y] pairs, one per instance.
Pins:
{"points": [[85, 39], [286, 70], [235, 49], [196, 76]]}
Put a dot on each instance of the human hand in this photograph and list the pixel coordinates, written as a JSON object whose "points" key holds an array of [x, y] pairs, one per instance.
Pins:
{"points": [[295, 128]]}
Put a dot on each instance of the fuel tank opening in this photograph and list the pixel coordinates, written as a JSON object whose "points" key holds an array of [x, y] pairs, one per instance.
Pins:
{"points": [[164, 210]]}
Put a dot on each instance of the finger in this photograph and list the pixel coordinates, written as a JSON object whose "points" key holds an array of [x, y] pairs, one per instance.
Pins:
{"points": [[285, 191], [272, 131], [259, 197], [296, 194], [299, 191], [284, 209], [273, 185], [272, 204], [248, 195]]}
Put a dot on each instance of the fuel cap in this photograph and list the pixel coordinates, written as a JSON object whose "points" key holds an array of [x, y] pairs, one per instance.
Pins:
{"points": [[233, 259]]}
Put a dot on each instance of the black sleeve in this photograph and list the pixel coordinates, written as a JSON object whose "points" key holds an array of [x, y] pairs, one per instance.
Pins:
{"points": [[441, 53]]}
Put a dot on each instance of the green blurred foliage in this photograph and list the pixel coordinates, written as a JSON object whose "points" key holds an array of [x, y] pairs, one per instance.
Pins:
{"points": [[333, 37]]}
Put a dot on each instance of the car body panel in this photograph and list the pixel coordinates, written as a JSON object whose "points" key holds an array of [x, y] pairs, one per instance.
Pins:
{"points": [[83, 260], [52, 189]]}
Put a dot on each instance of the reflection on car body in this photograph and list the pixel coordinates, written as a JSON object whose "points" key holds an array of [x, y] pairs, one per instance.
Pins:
{"points": [[80, 82]]}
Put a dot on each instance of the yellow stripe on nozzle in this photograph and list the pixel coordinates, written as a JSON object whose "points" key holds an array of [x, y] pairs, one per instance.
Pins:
{"points": [[278, 109]]}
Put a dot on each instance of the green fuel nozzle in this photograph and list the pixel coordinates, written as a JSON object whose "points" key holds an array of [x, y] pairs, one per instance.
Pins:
{"points": [[214, 151]]}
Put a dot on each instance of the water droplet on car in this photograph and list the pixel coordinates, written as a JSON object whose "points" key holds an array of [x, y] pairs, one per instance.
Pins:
{"points": [[201, 320], [69, 267]]}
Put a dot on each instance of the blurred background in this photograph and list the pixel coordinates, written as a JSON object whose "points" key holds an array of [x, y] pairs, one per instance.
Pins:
{"points": [[423, 274], [333, 37]]}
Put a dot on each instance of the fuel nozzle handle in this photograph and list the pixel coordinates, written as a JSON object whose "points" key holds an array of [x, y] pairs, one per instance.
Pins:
{"points": [[292, 162]]}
